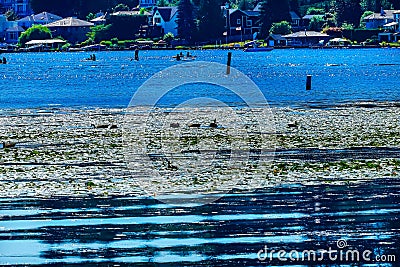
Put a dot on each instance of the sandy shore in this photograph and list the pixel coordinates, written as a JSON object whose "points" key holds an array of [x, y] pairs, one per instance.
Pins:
{"points": [[81, 152]]}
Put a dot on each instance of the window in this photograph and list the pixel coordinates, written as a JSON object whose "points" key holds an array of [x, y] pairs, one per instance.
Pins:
{"points": [[157, 20], [249, 23], [239, 21]]}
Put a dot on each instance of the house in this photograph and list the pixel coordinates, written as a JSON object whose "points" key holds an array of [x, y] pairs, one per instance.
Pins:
{"points": [[13, 34], [72, 29], [21, 7], [378, 20], [41, 18], [296, 20], [9, 31], [306, 38], [242, 23], [163, 20], [276, 40], [147, 3]]}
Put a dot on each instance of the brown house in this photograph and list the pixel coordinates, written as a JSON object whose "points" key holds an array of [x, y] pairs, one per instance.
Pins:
{"points": [[72, 29]]}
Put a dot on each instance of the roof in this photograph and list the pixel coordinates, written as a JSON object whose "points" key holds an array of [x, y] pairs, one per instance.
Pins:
{"points": [[382, 15], [294, 16], [41, 17], [251, 13], [47, 41], [167, 13], [309, 17], [15, 29], [391, 24], [276, 37], [129, 13], [99, 19], [258, 7], [305, 34], [70, 22]]}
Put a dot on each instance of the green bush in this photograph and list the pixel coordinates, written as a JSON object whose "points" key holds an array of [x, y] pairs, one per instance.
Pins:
{"points": [[282, 27], [36, 32]]}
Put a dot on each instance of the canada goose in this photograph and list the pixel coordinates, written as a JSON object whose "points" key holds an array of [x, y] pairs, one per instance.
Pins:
{"points": [[9, 144], [195, 125], [105, 126], [294, 124], [214, 124]]}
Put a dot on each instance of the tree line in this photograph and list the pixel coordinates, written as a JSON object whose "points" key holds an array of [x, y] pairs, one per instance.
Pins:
{"points": [[203, 20]]}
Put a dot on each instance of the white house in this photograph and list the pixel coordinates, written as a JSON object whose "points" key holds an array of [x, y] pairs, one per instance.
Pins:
{"points": [[165, 20], [41, 18]]}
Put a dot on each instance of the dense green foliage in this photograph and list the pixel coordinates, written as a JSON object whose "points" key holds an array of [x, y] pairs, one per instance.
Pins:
{"points": [[315, 11], [210, 20], [282, 27], [273, 11], [79, 8], [185, 20], [316, 23], [36, 32]]}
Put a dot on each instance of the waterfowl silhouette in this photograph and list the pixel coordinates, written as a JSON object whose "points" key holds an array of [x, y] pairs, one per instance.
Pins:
{"points": [[294, 124], [214, 124]]}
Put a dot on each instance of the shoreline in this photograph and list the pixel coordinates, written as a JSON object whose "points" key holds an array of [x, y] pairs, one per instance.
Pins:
{"points": [[208, 48]]}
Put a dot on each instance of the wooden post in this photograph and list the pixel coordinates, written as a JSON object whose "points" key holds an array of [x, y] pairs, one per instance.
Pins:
{"points": [[137, 54], [228, 64], [308, 82]]}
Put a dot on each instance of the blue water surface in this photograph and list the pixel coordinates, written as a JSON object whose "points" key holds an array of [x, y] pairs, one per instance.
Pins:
{"points": [[32, 80]]}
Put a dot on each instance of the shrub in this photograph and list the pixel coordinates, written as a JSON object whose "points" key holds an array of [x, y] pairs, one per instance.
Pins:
{"points": [[282, 27], [36, 32]]}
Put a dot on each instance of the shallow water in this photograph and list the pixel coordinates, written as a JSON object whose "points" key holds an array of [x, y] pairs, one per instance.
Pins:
{"points": [[63, 79], [229, 232]]}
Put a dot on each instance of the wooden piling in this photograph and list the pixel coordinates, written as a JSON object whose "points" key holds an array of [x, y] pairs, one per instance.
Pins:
{"points": [[309, 82], [228, 64], [137, 54]]}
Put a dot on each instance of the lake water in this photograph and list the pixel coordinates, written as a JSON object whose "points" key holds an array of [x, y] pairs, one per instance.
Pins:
{"points": [[43, 79], [129, 230]]}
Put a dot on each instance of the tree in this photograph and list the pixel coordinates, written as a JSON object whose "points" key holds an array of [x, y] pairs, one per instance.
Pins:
{"points": [[90, 16], [348, 11], [282, 27], [185, 20], [124, 27], [316, 23], [210, 20], [273, 11], [315, 11], [294, 6], [100, 33], [162, 3], [36, 32], [365, 14], [11, 15], [121, 7], [243, 5], [168, 37], [79, 8]]}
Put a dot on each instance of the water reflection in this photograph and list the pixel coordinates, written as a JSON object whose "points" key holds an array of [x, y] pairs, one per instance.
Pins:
{"points": [[229, 232]]}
